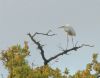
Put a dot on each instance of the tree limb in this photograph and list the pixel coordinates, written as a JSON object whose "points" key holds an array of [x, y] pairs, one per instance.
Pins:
{"points": [[40, 47], [68, 50]]}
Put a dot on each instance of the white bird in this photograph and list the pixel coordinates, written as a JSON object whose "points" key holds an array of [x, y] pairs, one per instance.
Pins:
{"points": [[70, 32]]}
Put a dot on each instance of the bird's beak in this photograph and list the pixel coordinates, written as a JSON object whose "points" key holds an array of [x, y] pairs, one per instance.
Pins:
{"points": [[60, 27]]}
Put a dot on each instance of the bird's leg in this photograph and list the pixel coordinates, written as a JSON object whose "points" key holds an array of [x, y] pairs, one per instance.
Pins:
{"points": [[67, 41], [72, 41]]}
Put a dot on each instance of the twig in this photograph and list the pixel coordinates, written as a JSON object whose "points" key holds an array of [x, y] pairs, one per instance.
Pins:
{"points": [[47, 34], [87, 45]]}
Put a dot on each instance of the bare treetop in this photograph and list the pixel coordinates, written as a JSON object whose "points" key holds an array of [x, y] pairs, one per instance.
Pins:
{"points": [[40, 47]]}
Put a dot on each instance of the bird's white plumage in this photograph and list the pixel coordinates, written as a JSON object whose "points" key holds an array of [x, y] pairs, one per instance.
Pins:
{"points": [[70, 31]]}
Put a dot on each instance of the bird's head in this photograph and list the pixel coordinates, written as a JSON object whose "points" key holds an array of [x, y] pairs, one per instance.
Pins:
{"points": [[65, 26]]}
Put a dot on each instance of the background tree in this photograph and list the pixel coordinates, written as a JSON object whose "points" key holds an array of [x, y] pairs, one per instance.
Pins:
{"points": [[14, 60]]}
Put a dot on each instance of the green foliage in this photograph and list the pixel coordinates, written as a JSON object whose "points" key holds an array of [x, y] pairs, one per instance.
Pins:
{"points": [[14, 60], [93, 66]]}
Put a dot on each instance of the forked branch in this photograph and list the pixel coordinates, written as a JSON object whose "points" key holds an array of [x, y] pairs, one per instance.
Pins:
{"points": [[40, 47]]}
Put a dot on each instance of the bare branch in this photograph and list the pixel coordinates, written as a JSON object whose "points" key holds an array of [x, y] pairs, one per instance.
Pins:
{"points": [[66, 51], [87, 45], [47, 34], [76, 43], [40, 47]]}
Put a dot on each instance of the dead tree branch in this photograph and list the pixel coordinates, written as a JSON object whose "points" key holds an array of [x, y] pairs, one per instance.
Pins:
{"points": [[40, 47], [68, 50], [47, 34]]}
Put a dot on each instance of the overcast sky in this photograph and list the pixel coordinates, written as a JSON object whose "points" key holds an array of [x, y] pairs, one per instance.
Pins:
{"points": [[18, 17]]}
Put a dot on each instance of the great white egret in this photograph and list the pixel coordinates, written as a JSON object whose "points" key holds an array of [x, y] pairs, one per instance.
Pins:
{"points": [[70, 32]]}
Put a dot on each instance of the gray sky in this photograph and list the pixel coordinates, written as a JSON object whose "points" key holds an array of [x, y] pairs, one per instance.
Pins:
{"points": [[18, 17]]}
